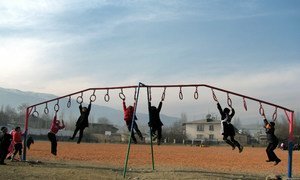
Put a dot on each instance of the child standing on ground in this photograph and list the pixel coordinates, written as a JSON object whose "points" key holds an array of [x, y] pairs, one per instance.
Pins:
{"points": [[17, 140], [5, 140], [55, 127]]}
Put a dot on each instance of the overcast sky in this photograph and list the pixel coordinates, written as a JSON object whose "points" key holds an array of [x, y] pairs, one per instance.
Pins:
{"points": [[61, 46]]}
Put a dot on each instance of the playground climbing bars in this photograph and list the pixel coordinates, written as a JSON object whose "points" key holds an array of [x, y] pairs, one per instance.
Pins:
{"points": [[289, 113]]}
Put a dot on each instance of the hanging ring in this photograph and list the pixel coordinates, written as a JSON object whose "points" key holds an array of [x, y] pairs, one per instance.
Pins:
{"points": [[69, 102], [180, 93], [274, 117], [122, 95], [106, 97], [93, 97], [150, 94], [80, 99], [214, 95], [196, 95], [135, 94], [261, 110], [35, 113], [245, 104], [46, 110], [163, 94], [56, 106], [229, 101]]}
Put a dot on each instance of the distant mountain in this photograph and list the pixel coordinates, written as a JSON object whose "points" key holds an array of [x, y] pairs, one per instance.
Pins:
{"points": [[14, 98]]}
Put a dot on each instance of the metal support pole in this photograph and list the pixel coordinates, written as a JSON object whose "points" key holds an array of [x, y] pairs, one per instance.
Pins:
{"points": [[131, 130], [151, 143], [290, 143]]}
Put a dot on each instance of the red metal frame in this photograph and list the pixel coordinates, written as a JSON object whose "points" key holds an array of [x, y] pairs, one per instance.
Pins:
{"points": [[290, 116]]}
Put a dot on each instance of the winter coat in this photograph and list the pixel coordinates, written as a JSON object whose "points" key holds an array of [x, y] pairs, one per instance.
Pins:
{"points": [[83, 121], [55, 127], [270, 131], [5, 140], [128, 114], [154, 115], [226, 127]]}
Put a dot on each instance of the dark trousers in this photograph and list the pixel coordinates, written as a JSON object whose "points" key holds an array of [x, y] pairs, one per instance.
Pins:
{"points": [[18, 149], [53, 140], [80, 134], [232, 142], [159, 130], [270, 152], [3, 154], [136, 128]]}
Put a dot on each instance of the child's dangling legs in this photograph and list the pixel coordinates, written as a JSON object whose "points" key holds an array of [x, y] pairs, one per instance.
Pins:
{"points": [[228, 142], [75, 132], [136, 128], [159, 135], [236, 143], [80, 135]]}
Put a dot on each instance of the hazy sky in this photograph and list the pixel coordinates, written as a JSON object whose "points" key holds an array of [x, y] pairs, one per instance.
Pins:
{"points": [[62, 46]]}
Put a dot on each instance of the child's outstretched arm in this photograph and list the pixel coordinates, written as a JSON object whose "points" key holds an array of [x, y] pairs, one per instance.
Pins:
{"points": [[159, 106], [124, 105], [232, 112]]}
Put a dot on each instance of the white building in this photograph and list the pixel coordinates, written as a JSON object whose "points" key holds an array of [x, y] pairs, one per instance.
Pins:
{"points": [[204, 130]]}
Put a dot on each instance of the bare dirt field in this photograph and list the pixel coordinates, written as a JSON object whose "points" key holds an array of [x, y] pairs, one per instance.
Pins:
{"points": [[106, 161]]}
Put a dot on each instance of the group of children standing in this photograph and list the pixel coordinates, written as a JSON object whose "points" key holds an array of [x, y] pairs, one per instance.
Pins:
{"points": [[10, 144], [227, 130]]}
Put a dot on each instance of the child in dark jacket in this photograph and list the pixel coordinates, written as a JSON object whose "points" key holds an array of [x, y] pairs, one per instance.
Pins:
{"points": [[155, 122], [82, 122], [55, 127], [272, 140], [128, 117], [5, 140], [227, 128]]}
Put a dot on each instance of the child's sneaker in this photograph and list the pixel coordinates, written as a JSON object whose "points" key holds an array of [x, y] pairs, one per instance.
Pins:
{"points": [[241, 149]]}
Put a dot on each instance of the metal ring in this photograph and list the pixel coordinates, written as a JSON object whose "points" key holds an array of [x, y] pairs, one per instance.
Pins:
{"points": [[274, 117], [163, 94], [56, 106], [214, 95], [150, 95], [261, 110], [245, 104], [80, 99], [180, 93], [135, 94], [46, 110], [35, 113], [106, 97], [69, 102], [196, 94], [122, 95], [93, 97], [229, 101]]}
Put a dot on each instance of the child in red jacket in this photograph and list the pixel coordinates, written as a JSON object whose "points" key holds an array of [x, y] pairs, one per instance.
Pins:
{"points": [[17, 140], [55, 127], [128, 117]]}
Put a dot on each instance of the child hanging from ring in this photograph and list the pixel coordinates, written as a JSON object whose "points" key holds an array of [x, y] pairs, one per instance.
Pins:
{"points": [[55, 127], [154, 122], [128, 118]]}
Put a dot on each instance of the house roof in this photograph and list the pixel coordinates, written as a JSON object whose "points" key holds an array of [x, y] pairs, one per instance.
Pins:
{"points": [[204, 121]]}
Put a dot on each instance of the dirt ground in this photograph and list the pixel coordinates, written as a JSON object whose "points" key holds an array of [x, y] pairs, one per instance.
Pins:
{"points": [[106, 161]]}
